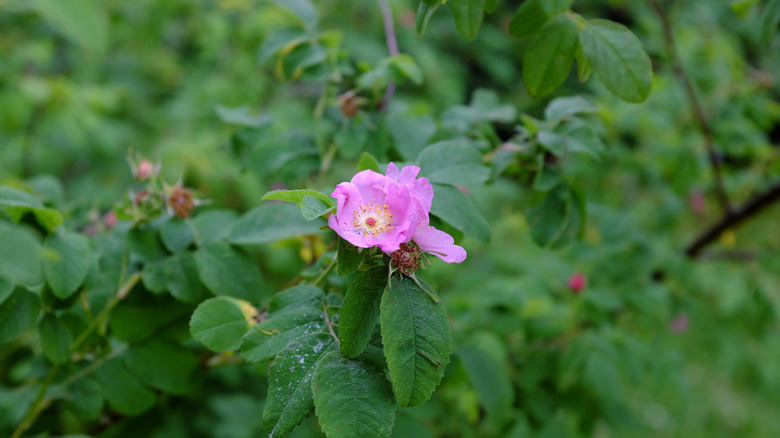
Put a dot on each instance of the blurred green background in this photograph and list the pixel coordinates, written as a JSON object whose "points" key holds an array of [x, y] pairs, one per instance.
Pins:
{"points": [[655, 345]]}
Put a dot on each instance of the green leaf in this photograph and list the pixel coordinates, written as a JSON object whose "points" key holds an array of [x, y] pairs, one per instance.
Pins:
{"points": [[532, 15], [312, 208], [354, 136], [368, 161], [219, 323], [122, 390], [360, 312], [269, 223], [296, 196], [410, 131], [55, 339], [353, 398], [213, 225], [619, 59], [144, 244], [242, 116], [182, 279], [562, 107], [304, 10], [490, 6], [549, 57], [417, 340], [162, 365], [176, 235], [455, 208], [17, 313], [6, 288], [453, 162], [16, 203], [425, 11], [490, 379], [296, 297], [468, 16], [268, 338], [584, 69], [558, 219], [67, 268], [85, 399], [226, 271], [580, 137], [289, 398], [82, 21], [770, 20], [405, 67], [348, 257]]}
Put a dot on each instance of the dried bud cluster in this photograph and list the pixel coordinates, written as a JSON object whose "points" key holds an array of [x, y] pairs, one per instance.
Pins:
{"points": [[181, 201], [406, 258]]}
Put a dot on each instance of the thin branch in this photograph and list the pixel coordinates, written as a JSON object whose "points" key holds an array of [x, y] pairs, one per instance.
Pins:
{"points": [[327, 271], [330, 327], [751, 208], [392, 45], [696, 107]]}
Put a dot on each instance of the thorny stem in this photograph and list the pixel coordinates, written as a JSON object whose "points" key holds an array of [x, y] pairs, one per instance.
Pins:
{"points": [[696, 106], [39, 403], [392, 45]]}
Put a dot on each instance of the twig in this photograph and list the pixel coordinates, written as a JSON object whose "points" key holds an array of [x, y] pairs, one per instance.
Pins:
{"points": [[326, 271], [328, 323], [698, 111], [751, 208], [392, 45], [39, 404]]}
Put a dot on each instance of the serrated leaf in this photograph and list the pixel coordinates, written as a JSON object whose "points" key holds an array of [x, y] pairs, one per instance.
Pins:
{"points": [[268, 338], [312, 208], [269, 223], [85, 399], [219, 323], [121, 390], [82, 21], [348, 257], [425, 11], [455, 208], [296, 196], [16, 203], [453, 162], [417, 339], [584, 69], [618, 58], [360, 311], [67, 268], [162, 365], [353, 398], [226, 271], [549, 57], [17, 313], [468, 16], [290, 398], [563, 107], [176, 235], [532, 15], [213, 225], [55, 339], [296, 297]]}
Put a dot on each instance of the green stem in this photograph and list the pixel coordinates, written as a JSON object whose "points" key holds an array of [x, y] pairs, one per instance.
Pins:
{"points": [[38, 405], [327, 271]]}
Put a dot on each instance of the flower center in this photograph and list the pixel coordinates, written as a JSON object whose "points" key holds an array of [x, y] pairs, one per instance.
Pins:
{"points": [[371, 219]]}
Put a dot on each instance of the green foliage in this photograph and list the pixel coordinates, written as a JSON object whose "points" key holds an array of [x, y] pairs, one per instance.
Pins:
{"points": [[417, 339], [359, 314], [219, 323]]}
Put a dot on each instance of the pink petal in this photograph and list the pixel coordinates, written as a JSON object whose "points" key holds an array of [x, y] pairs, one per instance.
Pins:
{"points": [[438, 243], [350, 235], [371, 186], [347, 200]]}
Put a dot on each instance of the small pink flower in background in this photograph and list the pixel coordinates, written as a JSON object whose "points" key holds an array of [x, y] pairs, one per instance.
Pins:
{"points": [[144, 170], [577, 282], [679, 323], [110, 219], [389, 210]]}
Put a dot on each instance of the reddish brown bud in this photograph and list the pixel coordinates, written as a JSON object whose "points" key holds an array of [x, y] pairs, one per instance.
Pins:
{"points": [[406, 258], [350, 106], [577, 282], [181, 201]]}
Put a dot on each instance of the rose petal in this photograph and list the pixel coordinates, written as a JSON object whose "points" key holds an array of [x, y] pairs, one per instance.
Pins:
{"points": [[371, 186], [438, 243]]}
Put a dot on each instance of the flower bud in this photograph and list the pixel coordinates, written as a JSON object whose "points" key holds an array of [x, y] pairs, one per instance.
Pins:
{"points": [[181, 201], [577, 282]]}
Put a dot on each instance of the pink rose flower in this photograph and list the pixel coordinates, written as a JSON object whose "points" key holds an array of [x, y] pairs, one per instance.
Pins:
{"points": [[388, 210], [577, 282]]}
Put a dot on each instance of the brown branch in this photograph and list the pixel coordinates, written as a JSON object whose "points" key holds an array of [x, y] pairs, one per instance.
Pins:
{"points": [[696, 107], [392, 45], [751, 208]]}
